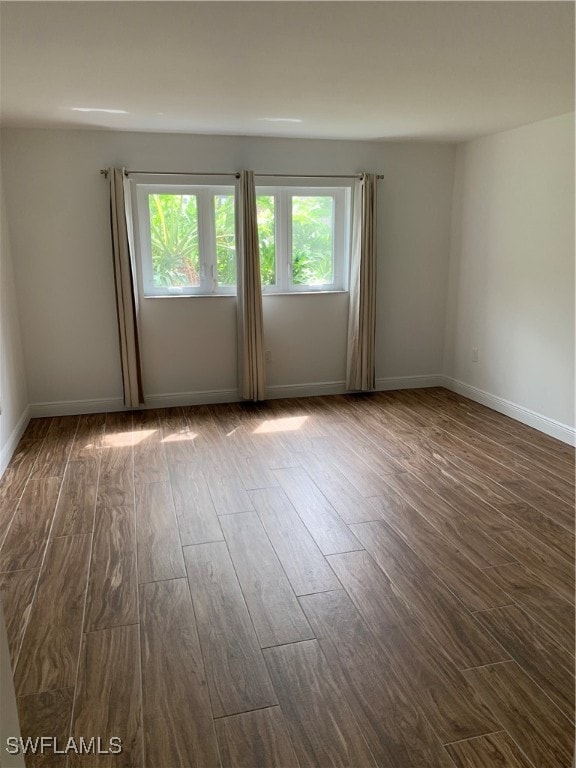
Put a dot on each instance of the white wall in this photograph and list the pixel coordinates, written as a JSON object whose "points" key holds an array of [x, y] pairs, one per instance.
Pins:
{"points": [[13, 391], [58, 211], [504, 215], [511, 285]]}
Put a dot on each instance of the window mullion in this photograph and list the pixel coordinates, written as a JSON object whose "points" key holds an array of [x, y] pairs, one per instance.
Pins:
{"points": [[211, 229], [283, 242], [289, 255], [335, 241], [205, 241], [340, 229], [278, 244]]}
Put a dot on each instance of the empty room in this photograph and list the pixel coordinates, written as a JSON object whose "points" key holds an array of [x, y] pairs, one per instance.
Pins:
{"points": [[287, 384]]}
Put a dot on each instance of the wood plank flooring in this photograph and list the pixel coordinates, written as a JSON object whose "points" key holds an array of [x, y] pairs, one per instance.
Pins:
{"points": [[348, 581]]}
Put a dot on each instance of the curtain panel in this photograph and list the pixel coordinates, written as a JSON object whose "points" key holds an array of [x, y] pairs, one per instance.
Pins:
{"points": [[126, 290], [252, 368], [361, 367]]}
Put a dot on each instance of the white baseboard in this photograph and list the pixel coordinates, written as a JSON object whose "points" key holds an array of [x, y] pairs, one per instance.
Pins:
{"points": [[192, 398], [339, 387], [174, 399], [103, 405], [14, 439], [409, 382], [277, 391], [534, 419], [76, 407]]}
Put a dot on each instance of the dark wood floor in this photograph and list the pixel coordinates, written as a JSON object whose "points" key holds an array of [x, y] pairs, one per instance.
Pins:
{"points": [[338, 581]]}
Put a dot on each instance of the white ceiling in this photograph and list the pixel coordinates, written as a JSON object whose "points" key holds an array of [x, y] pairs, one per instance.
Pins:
{"points": [[352, 70]]}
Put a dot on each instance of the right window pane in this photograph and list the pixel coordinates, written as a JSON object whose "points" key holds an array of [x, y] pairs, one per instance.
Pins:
{"points": [[312, 239]]}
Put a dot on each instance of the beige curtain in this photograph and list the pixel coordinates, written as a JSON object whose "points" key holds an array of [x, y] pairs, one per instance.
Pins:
{"points": [[360, 370], [126, 291], [252, 369]]}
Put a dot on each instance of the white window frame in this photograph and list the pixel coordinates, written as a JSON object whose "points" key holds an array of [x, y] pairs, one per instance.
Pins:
{"points": [[283, 193], [205, 188], [142, 188]]}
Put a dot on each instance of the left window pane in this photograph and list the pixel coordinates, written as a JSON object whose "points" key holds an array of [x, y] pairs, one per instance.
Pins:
{"points": [[174, 240]]}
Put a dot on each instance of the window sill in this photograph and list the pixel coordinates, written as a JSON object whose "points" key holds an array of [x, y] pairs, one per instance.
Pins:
{"points": [[233, 295], [300, 293], [193, 296]]}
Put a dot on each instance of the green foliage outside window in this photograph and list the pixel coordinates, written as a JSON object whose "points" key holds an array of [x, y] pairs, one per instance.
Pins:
{"points": [[175, 240], [174, 236], [174, 233], [312, 240]]}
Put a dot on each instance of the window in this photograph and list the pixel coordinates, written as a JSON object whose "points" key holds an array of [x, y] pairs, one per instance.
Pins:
{"points": [[187, 239], [303, 236]]}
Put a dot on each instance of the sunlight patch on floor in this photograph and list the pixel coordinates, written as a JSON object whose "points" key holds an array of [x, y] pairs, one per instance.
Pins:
{"points": [[122, 439], [180, 437], [288, 424]]}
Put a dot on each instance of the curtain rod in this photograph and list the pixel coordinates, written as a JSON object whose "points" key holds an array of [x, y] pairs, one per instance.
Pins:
{"points": [[315, 175], [104, 172]]}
